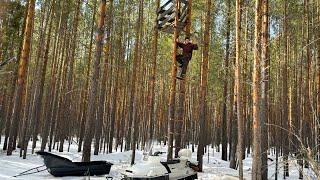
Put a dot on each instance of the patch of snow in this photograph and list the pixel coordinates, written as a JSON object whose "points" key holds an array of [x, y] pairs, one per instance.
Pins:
{"points": [[214, 167]]}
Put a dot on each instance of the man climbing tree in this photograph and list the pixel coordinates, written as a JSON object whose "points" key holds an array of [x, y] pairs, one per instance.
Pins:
{"points": [[183, 59]]}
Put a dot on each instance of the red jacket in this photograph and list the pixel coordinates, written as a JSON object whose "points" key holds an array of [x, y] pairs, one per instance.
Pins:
{"points": [[187, 49]]}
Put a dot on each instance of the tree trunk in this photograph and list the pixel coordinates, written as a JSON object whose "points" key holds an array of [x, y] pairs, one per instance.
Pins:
{"points": [[238, 92], [22, 76], [307, 102], [264, 88], [233, 131], [285, 117], [318, 92], [256, 164], [102, 93], [67, 115], [86, 86], [49, 96], [119, 62], [153, 76], [182, 94], [40, 85], [172, 98], [94, 84], [203, 87], [224, 138], [136, 68], [30, 112]]}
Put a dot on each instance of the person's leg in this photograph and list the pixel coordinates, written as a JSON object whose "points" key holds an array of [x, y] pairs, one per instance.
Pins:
{"points": [[184, 67], [180, 59]]}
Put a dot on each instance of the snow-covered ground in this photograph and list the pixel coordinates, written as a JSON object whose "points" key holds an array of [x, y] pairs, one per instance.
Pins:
{"points": [[214, 167]]}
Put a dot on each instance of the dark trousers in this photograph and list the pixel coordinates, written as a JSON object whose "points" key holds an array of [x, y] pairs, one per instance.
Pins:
{"points": [[184, 61]]}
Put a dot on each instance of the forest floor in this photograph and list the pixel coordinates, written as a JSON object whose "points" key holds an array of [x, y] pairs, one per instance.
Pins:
{"points": [[214, 167]]}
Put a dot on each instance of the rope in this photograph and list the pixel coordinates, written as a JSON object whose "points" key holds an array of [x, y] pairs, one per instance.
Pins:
{"points": [[27, 172]]}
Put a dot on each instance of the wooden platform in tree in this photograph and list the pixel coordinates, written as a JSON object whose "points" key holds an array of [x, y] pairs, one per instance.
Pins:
{"points": [[166, 16]]}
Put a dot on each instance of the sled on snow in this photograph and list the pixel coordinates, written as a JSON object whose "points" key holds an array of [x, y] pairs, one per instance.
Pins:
{"points": [[59, 166]]}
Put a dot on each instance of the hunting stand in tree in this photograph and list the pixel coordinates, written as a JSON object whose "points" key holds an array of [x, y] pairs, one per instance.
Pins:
{"points": [[166, 16]]}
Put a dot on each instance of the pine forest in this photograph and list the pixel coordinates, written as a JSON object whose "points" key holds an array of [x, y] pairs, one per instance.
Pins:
{"points": [[160, 89]]}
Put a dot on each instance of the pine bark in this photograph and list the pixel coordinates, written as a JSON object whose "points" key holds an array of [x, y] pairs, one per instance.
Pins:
{"points": [[117, 93], [22, 76], [285, 99], [238, 92], [136, 68], [40, 85], [153, 76], [31, 87], [103, 87], [68, 89], [172, 97], [224, 138], [94, 84], [49, 99], [307, 102], [84, 95], [264, 88], [318, 74], [182, 94], [256, 94], [203, 87]]}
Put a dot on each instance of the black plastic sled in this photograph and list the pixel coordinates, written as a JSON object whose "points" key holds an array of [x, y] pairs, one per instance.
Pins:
{"points": [[59, 166]]}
